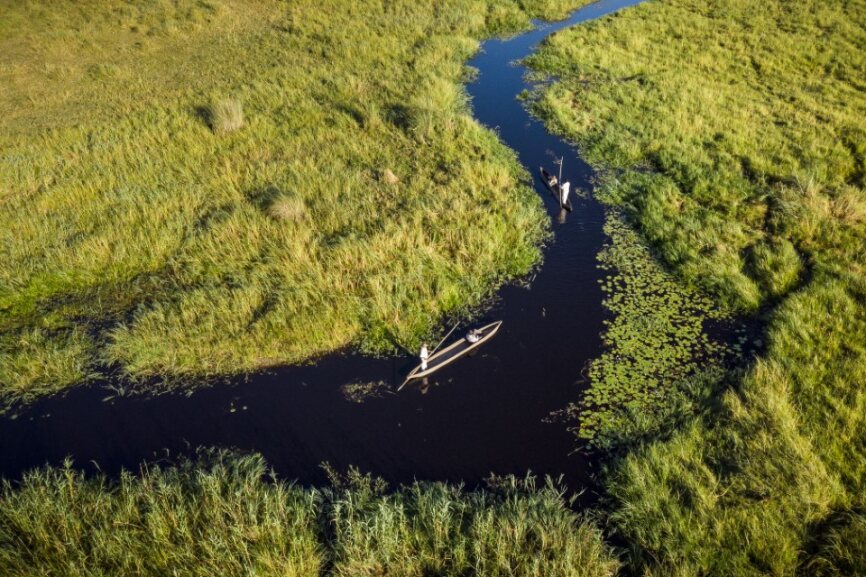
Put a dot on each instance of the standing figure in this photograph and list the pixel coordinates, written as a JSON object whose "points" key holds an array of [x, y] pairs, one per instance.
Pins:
{"points": [[563, 192], [424, 356]]}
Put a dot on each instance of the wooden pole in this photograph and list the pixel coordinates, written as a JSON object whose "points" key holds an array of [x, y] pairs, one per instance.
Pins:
{"points": [[559, 182], [443, 339]]}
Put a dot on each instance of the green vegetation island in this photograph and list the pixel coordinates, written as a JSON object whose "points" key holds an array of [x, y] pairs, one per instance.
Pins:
{"points": [[283, 210], [194, 188]]}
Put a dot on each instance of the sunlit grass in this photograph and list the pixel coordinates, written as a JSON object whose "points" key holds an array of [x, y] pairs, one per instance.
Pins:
{"points": [[39, 361], [731, 133], [199, 186], [225, 515]]}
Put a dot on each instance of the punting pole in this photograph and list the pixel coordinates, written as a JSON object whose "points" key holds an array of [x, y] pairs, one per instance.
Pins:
{"points": [[443, 339]]}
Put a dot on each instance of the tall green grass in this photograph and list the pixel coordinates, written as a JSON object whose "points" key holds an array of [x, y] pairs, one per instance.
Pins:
{"points": [[226, 515], [142, 228], [731, 133]]}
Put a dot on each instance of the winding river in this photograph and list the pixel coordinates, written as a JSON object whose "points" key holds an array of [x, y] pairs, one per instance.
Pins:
{"points": [[486, 413]]}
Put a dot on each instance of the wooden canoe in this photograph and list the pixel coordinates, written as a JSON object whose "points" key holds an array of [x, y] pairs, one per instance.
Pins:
{"points": [[548, 180], [451, 353]]}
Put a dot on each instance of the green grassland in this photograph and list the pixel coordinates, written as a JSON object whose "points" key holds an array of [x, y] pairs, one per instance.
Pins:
{"points": [[225, 515], [198, 188], [732, 136], [201, 187]]}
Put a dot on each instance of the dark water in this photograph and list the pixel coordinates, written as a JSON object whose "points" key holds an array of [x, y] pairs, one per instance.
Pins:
{"points": [[482, 414]]}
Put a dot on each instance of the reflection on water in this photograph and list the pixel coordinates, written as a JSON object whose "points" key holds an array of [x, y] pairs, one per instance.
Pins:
{"points": [[560, 218]]}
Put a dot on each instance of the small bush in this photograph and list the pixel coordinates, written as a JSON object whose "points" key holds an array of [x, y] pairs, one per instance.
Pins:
{"points": [[226, 115]]}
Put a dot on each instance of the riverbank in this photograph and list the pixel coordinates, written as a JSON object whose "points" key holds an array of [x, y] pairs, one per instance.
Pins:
{"points": [[210, 188], [731, 136], [223, 514]]}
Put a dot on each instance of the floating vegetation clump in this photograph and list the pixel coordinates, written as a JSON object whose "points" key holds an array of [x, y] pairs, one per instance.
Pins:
{"points": [[654, 340], [360, 392]]}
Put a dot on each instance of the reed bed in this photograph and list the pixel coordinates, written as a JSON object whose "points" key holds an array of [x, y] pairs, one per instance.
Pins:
{"points": [[225, 514]]}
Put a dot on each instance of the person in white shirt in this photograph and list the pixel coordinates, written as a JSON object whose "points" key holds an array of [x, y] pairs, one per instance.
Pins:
{"points": [[424, 356], [563, 192], [473, 336]]}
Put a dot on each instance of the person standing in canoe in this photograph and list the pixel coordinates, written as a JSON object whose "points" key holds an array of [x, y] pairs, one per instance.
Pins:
{"points": [[563, 192], [424, 355]]}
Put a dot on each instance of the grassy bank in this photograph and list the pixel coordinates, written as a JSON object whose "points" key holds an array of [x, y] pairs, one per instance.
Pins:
{"points": [[224, 515], [196, 188], [731, 135]]}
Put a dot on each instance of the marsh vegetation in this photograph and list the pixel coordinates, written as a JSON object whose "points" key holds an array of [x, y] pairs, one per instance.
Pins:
{"points": [[224, 514], [159, 232], [731, 135], [659, 356], [192, 188]]}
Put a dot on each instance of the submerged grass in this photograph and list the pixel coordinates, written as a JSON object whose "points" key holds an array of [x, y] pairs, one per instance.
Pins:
{"points": [[731, 134], [226, 515], [150, 222]]}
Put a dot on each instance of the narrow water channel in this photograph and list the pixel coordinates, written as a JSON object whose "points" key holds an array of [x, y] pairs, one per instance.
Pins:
{"points": [[485, 413]]}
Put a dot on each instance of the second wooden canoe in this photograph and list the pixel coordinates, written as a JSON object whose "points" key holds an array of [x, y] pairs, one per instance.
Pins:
{"points": [[548, 180]]}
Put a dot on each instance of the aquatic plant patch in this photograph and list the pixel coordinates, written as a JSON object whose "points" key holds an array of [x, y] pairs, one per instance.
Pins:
{"points": [[655, 339], [360, 392]]}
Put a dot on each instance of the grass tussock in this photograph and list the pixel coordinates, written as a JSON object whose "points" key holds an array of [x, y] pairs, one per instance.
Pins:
{"points": [[124, 218], [226, 115], [288, 208], [733, 139], [224, 514]]}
